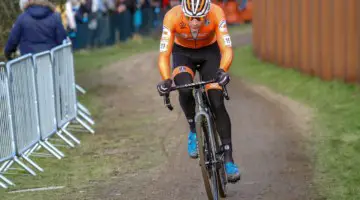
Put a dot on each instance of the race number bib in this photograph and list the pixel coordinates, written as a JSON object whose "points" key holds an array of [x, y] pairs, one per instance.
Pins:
{"points": [[227, 40], [164, 45]]}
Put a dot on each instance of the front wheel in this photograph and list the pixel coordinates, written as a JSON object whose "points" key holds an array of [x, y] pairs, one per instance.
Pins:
{"points": [[222, 178], [209, 171]]}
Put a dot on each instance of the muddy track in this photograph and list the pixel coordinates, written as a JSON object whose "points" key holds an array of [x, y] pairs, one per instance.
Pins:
{"points": [[268, 141]]}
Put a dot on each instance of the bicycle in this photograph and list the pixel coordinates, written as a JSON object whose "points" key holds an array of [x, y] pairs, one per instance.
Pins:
{"points": [[211, 156]]}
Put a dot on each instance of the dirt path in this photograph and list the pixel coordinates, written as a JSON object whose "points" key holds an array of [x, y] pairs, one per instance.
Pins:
{"points": [[266, 135]]}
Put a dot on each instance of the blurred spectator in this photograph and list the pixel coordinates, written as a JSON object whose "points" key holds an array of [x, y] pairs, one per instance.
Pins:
{"points": [[175, 2], [99, 33], [242, 6], [78, 14], [70, 9], [122, 20], [146, 16], [38, 28], [60, 8]]}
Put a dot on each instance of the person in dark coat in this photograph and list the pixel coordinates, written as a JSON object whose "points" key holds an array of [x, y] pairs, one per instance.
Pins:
{"points": [[38, 28]]}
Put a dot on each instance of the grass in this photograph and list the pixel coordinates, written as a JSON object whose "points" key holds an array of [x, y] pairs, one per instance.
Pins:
{"points": [[336, 125], [95, 59], [242, 27]]}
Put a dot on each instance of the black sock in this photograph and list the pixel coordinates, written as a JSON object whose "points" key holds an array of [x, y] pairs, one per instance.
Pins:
{"points": [[227, 147], [192, 125]]}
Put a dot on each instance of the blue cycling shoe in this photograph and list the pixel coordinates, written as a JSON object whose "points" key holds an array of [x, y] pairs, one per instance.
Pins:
{"points": [[232, 172], [192, 145]]}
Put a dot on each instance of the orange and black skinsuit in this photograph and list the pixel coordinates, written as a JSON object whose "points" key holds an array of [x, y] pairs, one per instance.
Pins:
{"points": [[210, 48]]}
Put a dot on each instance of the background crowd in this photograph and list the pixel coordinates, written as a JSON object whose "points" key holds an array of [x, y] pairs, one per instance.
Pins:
{"points": [[93, 23], [97, 23]]}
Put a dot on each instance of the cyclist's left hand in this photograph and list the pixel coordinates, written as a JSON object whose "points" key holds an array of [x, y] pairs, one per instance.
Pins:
{"points": [[222, 77]]}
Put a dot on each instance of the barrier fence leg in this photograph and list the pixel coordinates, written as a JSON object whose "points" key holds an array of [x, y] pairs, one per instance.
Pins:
{"points": [[24, 166], [49, 140], [85, 125], [8, 165], [30, 151], [83, 108], [75, 128], [3, 166], [88, 119], [58, 156], [65, 139], [32, 163], [54, 148], [3, 185], [80, 89], [37, 147], [6, 180], [69, 134]]}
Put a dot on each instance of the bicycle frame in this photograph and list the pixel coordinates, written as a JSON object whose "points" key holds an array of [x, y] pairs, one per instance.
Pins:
{"points": [[210, 160], [204, 108], [203, 111]]}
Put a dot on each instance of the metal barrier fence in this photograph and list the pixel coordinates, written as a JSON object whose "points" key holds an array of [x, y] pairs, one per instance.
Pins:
{"points": [[45, 94], [38, 100], [7, 145], [65, 90], [23, 103]]}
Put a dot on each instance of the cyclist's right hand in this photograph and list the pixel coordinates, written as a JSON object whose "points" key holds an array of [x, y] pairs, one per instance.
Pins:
{"points": [[164, 87]]}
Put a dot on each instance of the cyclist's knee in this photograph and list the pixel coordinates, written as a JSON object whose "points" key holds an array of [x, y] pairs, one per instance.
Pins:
{"points": [[183, 74], [213, 86]]}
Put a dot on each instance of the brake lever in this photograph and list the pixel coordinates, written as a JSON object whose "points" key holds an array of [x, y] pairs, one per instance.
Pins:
{"points": [[167, 102], [226, 94]]}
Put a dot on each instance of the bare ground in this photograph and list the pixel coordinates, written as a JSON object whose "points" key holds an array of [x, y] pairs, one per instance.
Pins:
{"points": [[269, 136]]}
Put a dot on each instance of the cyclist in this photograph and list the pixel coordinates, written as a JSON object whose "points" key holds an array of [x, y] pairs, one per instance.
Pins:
{"points": [[195, 33]]}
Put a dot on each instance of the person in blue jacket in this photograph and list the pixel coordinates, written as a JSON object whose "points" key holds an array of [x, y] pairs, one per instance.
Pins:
{"points": [[38, 28]]}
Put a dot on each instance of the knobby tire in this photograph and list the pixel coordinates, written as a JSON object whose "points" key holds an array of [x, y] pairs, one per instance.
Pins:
{"points": [[212, 192]]}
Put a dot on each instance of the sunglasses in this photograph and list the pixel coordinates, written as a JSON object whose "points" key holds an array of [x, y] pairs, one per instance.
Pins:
{"points": [[196, 18]]}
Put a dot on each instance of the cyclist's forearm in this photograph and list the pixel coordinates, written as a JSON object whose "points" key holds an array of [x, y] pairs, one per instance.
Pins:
{"points": [[226, 59], [164, 67]]}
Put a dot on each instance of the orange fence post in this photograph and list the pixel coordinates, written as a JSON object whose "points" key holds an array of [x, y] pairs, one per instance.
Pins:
{"points": [[288, 51], [272, 32], [326, 24], [261, 8], [340, 35], [295, 26], [304, 35], [352, 37], [315, 61], [256, 39], [279, 31]]}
